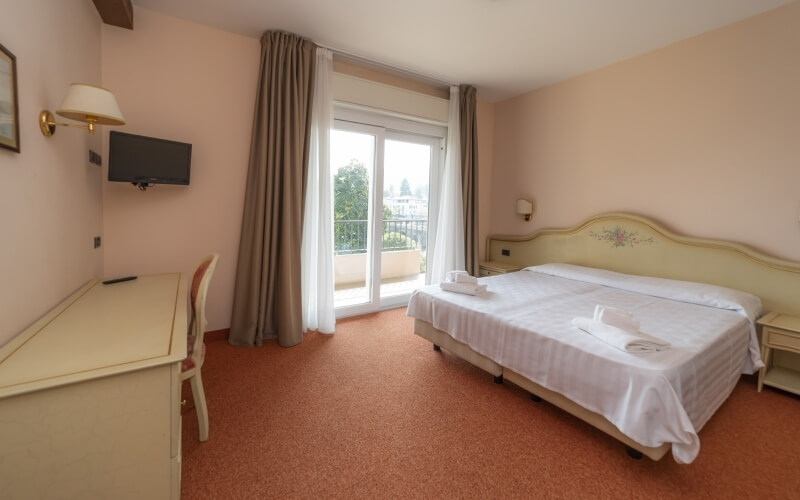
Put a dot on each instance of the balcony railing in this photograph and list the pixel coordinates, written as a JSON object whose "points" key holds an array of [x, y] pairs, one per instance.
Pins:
{"points": [[350, 236]]}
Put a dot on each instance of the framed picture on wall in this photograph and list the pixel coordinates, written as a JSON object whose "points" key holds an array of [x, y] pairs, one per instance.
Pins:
{"points": [[9, 104]]}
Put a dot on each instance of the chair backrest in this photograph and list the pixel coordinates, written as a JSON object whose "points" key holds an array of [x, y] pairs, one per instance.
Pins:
{"points": [[200, 281]]}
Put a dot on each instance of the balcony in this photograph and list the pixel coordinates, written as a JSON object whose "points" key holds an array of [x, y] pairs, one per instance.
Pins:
{"points": [[403, 262]]}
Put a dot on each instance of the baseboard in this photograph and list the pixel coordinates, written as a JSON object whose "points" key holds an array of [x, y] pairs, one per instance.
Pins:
{"points": [[216, 335]]}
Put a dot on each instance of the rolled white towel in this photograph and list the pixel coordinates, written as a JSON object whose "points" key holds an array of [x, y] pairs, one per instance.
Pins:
{"points": [[465, 288], [621, 339], [452, 275], [616, 317], [466, 278]]}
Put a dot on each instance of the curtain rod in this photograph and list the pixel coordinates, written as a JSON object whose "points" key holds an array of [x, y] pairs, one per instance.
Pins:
{"points": [[402, 71]]}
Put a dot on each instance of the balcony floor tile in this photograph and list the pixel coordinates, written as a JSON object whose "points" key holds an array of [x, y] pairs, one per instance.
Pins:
{"points": [[358, 295]]}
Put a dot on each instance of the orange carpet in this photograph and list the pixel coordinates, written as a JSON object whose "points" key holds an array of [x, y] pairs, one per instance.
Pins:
{"points": [[374, 412]]}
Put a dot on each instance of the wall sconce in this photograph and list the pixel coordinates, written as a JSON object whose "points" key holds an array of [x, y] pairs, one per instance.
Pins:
{"points": [[84, 103], [525, 209]]}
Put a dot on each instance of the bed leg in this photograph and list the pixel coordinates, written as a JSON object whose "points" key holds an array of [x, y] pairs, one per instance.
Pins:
{"points": [[498, 379], [634, 454], [535, 398], [436, 347]]}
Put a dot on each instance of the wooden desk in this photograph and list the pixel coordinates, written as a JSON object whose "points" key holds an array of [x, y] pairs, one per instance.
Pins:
{"points": [[90, 394]]}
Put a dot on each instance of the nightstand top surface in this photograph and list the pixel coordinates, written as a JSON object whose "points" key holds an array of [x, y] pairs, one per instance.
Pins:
{"points": [[780, 320], [503, 266]]}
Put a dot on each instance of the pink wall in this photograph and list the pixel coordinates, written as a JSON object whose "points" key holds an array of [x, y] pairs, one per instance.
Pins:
{"points": [[50, 196], [703, 135], [185, 82]]}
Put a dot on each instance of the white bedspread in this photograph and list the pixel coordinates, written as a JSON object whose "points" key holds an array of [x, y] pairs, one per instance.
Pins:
{"points": [[523, 322]]}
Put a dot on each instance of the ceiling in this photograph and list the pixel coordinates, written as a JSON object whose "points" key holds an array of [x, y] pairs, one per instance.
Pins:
{"points": [[503, 47]]}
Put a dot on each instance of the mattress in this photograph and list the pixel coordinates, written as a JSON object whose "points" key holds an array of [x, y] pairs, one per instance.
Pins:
{"points": [[523, 322]]}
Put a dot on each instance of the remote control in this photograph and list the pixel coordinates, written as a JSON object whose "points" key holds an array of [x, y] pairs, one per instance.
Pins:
{"points": [[118, 280]]}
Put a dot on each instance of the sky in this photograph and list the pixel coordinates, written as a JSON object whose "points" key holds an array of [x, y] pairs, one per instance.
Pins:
{"points": [[401, 159]]}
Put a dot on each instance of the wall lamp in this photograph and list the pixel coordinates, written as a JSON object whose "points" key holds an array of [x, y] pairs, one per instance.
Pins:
{"points": [[525, 209], [83, 103]]}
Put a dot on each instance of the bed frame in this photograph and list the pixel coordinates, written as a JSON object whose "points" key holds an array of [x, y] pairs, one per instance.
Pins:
{"points": [[634, 244]]}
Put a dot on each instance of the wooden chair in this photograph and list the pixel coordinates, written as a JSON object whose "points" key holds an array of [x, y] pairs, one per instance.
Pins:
{"points": [[195, 348]]}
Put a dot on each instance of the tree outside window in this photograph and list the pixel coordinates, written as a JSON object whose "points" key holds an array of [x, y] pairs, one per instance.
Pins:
{"points": [[351, 209]]}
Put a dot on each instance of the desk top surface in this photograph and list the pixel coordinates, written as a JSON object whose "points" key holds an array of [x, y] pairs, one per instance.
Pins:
{"points": [[100, 330]]}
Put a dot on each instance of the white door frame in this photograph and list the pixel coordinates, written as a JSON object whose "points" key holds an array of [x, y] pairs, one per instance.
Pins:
{"points": [[374, 233], [384, 127]]}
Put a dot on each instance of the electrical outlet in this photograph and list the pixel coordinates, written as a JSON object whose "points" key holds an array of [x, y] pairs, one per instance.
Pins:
{"points": [[506, 252], [97, 242], [95, 158]]}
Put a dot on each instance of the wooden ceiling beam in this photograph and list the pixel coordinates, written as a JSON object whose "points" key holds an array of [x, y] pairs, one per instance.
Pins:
{"points": [[116, 12]]}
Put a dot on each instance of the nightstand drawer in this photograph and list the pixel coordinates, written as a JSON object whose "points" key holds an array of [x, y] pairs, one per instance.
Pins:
{"points": [[489, 272], [782, 340]]}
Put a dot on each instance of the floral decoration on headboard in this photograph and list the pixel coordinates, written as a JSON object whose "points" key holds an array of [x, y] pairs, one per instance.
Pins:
{"points": [[620, 237]]}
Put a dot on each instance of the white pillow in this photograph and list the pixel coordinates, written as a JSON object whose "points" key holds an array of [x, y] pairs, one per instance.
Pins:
{"points": [[692, 292]]}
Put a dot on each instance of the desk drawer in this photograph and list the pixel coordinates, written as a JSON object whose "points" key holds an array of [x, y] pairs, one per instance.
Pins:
{"points": [[781, 339]]}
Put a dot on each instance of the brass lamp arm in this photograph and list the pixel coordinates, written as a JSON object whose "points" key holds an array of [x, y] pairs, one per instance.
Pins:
{"points": [[47, 123]]}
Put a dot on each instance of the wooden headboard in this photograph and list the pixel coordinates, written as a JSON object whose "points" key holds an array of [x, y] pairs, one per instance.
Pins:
{"points": [[636, 245]]}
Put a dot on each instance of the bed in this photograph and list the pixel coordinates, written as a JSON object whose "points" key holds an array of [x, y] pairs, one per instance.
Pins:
{"points": [[520, 330]]}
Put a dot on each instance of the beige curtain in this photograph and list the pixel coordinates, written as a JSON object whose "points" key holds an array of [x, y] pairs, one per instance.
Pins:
{"points": [[267, 300], [469, 175]]}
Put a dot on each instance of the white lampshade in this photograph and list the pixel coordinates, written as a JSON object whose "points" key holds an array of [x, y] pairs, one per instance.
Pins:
{"points": [[524, 207], [90, 103]]}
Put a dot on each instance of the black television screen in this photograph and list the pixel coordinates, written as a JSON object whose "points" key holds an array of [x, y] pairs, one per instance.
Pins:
{"points": [[148, 160]]}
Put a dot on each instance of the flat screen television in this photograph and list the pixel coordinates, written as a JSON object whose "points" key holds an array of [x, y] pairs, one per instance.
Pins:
{"points": [[144, 160]]}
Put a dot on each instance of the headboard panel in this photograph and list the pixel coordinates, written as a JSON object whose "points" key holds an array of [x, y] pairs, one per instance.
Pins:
{"points": [[636, 245]]}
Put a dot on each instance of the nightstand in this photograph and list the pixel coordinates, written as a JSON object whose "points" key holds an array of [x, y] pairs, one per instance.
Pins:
{"points": [[779, 332], [492, 268]]}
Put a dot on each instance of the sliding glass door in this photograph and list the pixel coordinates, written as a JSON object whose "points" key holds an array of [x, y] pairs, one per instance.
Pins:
{"points": [[356, 150], [408, 161], [382, 181]]}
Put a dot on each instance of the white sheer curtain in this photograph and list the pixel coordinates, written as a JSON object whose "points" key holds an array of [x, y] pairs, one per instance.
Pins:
{"points": [[448, 252], [317, 247]]}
